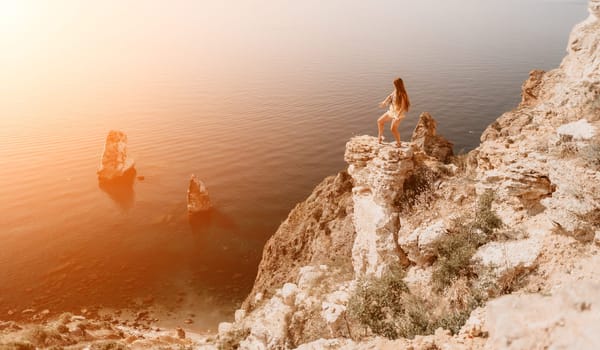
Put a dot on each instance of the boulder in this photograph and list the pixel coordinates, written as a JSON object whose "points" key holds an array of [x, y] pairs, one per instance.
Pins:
{"points": [[115, 163], [568, 319], [523, 180], [531, 88], [425, 137], [197, 196], [504, 256], [419, 244]]}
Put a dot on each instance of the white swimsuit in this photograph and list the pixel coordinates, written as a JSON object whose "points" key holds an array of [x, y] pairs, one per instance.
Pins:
{"points": [[397, 115]]}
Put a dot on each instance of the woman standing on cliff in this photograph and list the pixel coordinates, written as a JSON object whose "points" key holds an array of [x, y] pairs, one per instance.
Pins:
{"points": [[399, 104]]}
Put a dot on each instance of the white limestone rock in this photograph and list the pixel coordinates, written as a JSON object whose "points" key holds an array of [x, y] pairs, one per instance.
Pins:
{"points": [[258, 298], [271, 323], [239, 315], [579, 130], [334, 305], [115, 163], [252, 343], [288, 293], [198, 199], [378, 172], [224, 327], [331, 312], [475, 324], [419, 244], [308, 275], [569, 319], [502, 256]]}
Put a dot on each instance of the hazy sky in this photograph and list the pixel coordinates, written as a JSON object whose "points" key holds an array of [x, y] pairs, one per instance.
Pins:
{"points": [[53, 49]]}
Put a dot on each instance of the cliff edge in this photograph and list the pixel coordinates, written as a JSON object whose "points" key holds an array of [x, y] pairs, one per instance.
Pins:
{"points": [[415, 247]]}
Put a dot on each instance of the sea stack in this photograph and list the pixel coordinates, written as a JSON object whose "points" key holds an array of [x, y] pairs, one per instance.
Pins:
{"points": [[115, 163], [197, 196]]}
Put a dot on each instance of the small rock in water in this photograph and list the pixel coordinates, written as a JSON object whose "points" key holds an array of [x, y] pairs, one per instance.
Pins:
{"points": [[115, 163], [188, 321], [142, 315], [197, 196], [141, 178], [180, 333]]}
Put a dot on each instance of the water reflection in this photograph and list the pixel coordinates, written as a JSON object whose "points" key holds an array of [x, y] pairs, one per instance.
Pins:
{"points": [[121, 190], [211, 219]]}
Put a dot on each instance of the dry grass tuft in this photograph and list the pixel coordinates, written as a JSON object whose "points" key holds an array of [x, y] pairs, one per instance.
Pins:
{"points": [[419, 189], [512, 279], [566, 147]]}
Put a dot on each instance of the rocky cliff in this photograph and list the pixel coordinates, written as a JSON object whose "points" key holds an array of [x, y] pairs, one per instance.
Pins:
{"points": [[496, 248], [415, 248]]}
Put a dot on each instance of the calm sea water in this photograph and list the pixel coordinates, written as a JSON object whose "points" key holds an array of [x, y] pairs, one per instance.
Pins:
{"points": [[255, 97]]}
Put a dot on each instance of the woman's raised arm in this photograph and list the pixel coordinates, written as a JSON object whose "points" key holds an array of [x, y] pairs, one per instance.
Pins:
{"points": [[387, 101]]}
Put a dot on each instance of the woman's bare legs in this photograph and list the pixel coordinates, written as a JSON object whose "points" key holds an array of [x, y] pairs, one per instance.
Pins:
{"points": [[380, 122], [394, 128]]}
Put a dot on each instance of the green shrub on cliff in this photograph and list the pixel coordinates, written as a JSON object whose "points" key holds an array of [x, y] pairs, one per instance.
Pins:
{"points": [[379, 303], [455, 250], [386, 307]]}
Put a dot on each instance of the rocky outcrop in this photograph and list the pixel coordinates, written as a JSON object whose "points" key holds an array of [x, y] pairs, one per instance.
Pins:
{"points": [[317, 231], [115, 163], [197, 196], [425, 137], [536, 183], [521, 182], [531, 88], [378, 173], [419, 244]]}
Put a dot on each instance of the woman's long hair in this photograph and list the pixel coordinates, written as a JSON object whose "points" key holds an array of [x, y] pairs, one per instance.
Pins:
{"points": [[401, 102]]}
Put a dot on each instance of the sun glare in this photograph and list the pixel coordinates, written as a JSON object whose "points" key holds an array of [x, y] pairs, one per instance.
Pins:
{"points": [[13, 16]]}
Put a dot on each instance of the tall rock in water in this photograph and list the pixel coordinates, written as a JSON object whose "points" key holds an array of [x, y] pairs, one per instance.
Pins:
{"points": [[115, 163], [378, 173], [197, 196], [425, 137]]}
